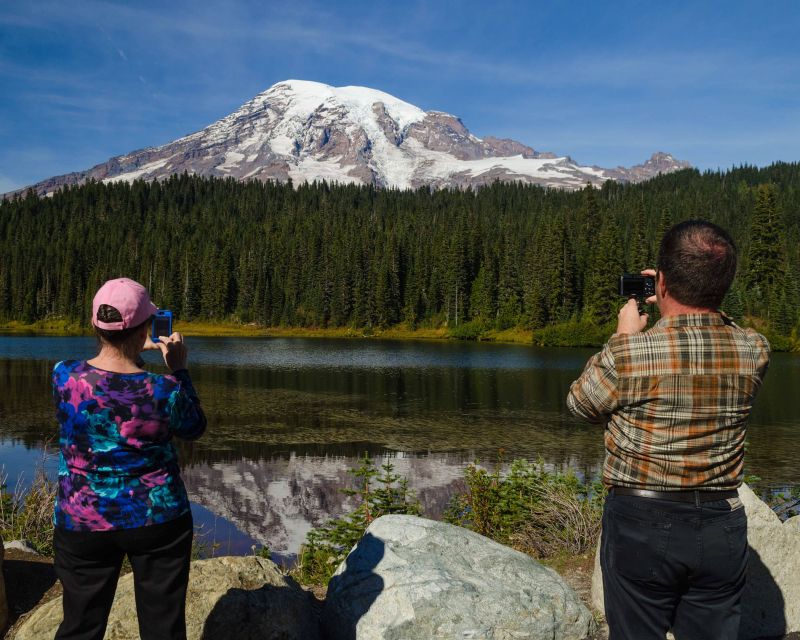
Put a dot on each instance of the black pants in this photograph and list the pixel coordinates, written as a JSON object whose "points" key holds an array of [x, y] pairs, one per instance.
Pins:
{"points": [[673, 565], [88, 565]]}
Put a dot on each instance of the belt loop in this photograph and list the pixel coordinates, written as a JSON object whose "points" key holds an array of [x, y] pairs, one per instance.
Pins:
{"points": [[697, 499]]}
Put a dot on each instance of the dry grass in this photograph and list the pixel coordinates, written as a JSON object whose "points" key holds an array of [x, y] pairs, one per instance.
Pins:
{"points": [[560, 521], [28, 515]]}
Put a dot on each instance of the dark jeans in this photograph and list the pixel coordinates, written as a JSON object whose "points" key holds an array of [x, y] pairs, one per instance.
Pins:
{"points": [[88, 564], [673, 565]]}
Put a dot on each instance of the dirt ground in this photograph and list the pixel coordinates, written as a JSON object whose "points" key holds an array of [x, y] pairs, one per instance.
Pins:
{"points": [[577, 573]]}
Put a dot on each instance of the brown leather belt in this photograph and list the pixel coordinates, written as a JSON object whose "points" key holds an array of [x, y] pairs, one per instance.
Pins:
{"points": [[676, 496]]}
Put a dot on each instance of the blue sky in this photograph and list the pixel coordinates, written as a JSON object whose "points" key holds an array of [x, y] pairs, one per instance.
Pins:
{"points": [[607, 82]]}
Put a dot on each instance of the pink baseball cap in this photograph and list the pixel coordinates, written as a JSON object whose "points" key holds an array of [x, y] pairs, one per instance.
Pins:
{"points": [[126, 296]]}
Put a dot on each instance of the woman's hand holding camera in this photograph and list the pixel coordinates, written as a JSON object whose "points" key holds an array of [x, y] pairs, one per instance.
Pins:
{"points": [[173, 349]]}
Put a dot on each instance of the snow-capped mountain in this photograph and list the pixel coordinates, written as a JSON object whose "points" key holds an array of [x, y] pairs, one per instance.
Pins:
{"points": [[308, 131]]}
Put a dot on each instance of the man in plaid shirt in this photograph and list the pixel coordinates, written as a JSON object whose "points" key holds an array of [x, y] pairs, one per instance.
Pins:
{"points": [[675, 401]]}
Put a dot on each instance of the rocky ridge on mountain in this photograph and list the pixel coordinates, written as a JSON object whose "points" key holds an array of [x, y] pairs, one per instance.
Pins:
{"points": [[308, 131]]}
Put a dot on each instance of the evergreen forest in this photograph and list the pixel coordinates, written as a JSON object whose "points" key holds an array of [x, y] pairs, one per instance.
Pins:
{"points": [[323, 255]]}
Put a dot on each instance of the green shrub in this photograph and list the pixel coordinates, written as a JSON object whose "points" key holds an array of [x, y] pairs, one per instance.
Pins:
{"points": [[536, 511], [380, 492], [472, 330], [574, 333]]}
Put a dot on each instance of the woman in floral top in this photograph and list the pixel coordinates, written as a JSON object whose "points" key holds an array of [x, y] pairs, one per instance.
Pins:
{"points": [[119, 486]]}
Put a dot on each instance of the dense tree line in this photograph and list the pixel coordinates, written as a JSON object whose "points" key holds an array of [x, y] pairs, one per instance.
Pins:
{"points": [[344, 255]]}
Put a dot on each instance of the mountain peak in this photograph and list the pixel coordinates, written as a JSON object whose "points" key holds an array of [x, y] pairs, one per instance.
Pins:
{"points": [[305, 131], [307, 96]]}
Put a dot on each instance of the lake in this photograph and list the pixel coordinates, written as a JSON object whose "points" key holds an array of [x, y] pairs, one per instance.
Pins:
{"points": [[287, 419]]}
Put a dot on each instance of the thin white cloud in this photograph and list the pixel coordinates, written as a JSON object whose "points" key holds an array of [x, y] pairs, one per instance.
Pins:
{"points": [[232, 34], [7, 184]]}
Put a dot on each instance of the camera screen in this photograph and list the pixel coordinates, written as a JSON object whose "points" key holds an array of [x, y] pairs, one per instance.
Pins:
{"points": [[161, 326], [635, 285]]}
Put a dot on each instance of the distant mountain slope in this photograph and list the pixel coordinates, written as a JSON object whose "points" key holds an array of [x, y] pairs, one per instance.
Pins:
{"points": [[308, 131]]}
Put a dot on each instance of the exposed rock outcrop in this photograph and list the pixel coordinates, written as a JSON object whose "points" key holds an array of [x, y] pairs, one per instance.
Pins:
{"points": [[419, 579], [771, 599], [656, 164], [229, 597]]}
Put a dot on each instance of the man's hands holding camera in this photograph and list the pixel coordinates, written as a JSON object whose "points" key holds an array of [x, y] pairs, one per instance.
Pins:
{"points": [[629, 319]]}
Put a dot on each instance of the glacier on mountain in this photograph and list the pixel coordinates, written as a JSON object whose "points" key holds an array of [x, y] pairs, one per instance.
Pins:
{"points": [[308, 131]]}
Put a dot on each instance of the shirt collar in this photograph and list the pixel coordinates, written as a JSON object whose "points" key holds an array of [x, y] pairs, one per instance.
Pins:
{"points": [[692, 320]]}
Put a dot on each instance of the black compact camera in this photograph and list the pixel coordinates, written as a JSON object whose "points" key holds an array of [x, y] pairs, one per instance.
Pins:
{"points": [[637, 286]]}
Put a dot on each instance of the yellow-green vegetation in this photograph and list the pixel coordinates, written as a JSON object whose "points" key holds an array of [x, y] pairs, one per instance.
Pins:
{"points": [[47, 327], [233, 329], [61, 327]]}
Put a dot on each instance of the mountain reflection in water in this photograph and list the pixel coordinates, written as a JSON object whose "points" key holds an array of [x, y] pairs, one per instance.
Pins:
{"points": [[289, 417]]}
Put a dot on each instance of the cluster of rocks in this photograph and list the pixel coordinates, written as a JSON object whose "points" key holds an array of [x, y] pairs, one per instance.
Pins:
{"points": [[418, 579], [408, 578]]}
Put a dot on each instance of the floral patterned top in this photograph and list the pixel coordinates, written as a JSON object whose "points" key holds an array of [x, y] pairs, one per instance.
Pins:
{"points": [[118, 468]]}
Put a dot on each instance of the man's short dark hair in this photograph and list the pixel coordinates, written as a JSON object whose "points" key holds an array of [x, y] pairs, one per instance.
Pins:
{"points": [[698, 260]]}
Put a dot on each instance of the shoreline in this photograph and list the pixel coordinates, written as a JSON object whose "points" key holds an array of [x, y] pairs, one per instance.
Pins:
{"points": [[61, 328], [570, 334]]}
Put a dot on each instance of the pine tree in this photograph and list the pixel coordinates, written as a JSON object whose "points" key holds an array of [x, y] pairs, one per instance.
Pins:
{"points": [[601, 297], [483, 298], [766, 255], [509, 299], [733, 304], [640, 255]]}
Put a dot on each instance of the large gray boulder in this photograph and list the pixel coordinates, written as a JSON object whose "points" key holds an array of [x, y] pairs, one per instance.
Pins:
{"points": [[771, 599], [246, 598], [415, 579], [3, 600]]}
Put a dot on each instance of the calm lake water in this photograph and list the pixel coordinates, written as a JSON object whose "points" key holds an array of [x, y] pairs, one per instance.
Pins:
{"points": [[287, 418]]}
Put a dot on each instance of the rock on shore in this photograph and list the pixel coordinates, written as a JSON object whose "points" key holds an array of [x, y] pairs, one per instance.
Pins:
{"points": [[771, 599], [246, 598], [419, 579]]}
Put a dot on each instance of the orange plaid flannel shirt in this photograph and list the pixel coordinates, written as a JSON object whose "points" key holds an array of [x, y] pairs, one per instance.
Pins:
{"points": [[675, 400]]}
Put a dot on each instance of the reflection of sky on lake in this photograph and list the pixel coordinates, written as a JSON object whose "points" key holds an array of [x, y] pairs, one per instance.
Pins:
{"points": [[289, 417], [297, 353]]}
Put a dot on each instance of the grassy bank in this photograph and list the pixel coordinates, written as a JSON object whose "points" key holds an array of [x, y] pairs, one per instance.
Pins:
{"points": [[53, 327], [573, 333], [60, 327]]}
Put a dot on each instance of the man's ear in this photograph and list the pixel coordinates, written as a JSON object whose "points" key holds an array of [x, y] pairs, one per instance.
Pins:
{"points": [[661, 284]]}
